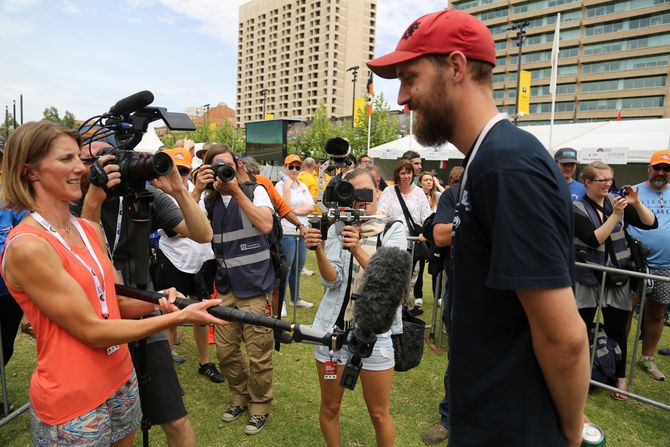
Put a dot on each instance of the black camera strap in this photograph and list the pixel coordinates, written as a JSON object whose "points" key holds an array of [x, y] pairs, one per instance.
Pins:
{"points": [[347, 294]]}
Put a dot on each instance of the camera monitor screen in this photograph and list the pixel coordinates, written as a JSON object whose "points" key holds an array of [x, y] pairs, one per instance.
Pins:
{"points": [[265, 140]]}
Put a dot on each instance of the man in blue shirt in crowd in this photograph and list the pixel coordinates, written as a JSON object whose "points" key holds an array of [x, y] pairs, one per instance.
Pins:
{"points": [[655, 195], [566, 159]]}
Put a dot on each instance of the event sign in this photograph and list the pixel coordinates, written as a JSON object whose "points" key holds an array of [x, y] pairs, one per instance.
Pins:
{"points": [[609, 155]]}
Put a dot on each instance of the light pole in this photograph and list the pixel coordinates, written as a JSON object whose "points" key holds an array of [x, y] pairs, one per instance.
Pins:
{"points": [[520, 36], [354, 72], [264, 93]]}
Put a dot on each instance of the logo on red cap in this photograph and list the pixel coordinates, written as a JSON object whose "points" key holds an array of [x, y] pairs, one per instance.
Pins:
{"points": [[410, 30]]}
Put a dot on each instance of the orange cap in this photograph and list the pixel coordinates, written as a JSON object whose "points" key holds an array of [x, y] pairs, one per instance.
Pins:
{"points": [[660, 157], [292, 158], [180, 156]]}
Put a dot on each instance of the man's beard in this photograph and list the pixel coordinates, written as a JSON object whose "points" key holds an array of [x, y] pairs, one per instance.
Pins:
{"points": [[433, 126], [658, 181]]}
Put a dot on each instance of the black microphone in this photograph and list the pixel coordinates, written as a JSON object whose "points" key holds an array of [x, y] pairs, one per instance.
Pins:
{"points": [[132, 103], [306, 334], [386, 278]]}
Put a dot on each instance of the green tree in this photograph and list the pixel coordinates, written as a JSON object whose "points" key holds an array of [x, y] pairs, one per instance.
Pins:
{"points": [[320, 130], [231, 136], [51, 114], [7, 125], [384, 128], [68, 119]]}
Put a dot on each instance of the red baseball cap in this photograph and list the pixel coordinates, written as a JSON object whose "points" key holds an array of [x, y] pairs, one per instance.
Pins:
{"points": [[439, 33]]}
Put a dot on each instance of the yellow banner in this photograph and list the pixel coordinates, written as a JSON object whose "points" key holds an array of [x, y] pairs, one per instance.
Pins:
{"points": [[269, 116], [524, 92], [359, 111]]}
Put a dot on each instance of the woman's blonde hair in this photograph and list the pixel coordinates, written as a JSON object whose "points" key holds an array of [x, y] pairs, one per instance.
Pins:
{"points": [[24, 150], [589, 171], [433, 197]]}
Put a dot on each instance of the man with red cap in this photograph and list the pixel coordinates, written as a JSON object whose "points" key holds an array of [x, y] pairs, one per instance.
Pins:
{"points": [[518, 354], [655, 195]]}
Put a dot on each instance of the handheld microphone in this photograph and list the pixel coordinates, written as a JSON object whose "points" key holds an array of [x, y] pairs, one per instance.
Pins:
{"points": [[132, 103], [386, 278]]}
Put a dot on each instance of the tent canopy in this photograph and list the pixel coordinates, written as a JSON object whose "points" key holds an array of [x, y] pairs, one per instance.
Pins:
{"points": [[150, 142], [641, 138]]}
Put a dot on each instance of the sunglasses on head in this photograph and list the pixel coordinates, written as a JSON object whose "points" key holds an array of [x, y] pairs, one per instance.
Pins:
{"points": [[661, 168], [292, 167]]}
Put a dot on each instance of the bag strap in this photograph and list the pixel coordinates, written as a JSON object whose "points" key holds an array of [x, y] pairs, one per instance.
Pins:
{"points": [[405, 211]]}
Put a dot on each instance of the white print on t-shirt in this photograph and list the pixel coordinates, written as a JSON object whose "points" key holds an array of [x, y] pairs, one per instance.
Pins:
{"points": [[465, 201]]}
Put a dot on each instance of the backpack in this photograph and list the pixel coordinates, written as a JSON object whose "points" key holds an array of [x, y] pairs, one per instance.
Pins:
{"points": [[274, 236], [607, 354]]}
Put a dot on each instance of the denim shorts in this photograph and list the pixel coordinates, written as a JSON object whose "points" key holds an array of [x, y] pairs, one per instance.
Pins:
{"points": [[382, 357], [106, 424]]}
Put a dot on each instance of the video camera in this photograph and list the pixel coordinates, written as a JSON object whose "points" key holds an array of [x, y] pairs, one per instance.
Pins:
{"points": [[123, 127]]}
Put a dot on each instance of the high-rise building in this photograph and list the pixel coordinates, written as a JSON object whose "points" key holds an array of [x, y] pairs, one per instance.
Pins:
{"points": [[293, 55], [613, 56]]}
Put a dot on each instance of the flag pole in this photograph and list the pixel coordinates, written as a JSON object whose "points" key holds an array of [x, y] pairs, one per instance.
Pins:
{"points": [[554, 75]]}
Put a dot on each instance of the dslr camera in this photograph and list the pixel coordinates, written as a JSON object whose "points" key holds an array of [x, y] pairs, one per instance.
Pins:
{"points": [[223, 171]]}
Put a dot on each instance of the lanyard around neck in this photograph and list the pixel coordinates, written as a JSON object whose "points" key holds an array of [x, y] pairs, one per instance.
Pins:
{"points": [[99, 286], [471, 156]]}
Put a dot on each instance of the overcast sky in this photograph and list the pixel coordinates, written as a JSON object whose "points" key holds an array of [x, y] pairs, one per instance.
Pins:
{"points": [[83, 56]]}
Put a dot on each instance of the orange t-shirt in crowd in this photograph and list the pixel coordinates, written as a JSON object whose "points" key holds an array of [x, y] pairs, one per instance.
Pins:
{"points": [[280, 204], [72, 378]]}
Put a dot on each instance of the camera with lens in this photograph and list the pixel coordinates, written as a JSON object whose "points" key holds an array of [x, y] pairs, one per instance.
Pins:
{"points": [[223, 171], [621, 192], [123, 127], [135, 169]]}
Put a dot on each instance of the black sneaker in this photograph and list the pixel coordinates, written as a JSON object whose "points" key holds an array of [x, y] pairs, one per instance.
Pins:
{"points": [[416, 311], [233, 413], [256, 423], [209, 370]]}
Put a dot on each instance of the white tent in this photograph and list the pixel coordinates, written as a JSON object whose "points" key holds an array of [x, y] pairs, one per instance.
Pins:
{"points": [[394, 150], [641, 138], [150, 142]]}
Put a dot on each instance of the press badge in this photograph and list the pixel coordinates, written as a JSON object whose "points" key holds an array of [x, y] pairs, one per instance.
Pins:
{"points": [[331, 370], [112, 349]]}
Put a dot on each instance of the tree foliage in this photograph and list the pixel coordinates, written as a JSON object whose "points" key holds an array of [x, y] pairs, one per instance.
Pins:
{"points": [[210, 132], [7, 125], [51, 114], [384, 128]]}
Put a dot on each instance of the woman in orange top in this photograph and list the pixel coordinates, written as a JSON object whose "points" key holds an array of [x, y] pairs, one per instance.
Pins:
{"points": [[84, 389]]}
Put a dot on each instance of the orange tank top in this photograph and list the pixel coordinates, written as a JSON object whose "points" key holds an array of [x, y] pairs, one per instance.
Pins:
{"points": [[72, 378]]}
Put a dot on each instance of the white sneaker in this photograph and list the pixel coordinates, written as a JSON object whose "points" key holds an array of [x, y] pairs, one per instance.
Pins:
{"points": [[302, 303], [418, 302], [307, 272], [283, 311], [439, 302]]}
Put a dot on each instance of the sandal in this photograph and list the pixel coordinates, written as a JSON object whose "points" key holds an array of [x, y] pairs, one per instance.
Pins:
{"points": [[619, 396]]}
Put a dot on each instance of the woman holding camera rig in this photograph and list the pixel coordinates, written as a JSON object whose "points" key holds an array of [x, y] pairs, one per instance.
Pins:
{"points": [[600, 238], [341, 261], [75, 312]]}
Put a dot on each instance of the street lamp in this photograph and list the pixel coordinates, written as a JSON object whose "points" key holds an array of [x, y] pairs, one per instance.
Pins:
{"points": [[264, 93], [520, 36], [354, 72]]}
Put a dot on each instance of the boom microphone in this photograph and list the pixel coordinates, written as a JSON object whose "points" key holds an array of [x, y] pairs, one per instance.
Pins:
{"points": [[386, 278], [132, 103], [300, 333]]}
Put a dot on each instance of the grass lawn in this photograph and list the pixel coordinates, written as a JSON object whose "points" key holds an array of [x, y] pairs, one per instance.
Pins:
{"points": [[294, 420]]}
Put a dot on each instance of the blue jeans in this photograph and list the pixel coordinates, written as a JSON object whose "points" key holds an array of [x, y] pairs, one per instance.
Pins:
{"points": [[294, 250]]}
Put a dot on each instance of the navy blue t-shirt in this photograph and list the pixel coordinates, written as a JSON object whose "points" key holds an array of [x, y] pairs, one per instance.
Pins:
{"points": [[513, 230]]}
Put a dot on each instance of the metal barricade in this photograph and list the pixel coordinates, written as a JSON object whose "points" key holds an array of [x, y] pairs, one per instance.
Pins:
{"points": [[7, 416], [638, 330]]}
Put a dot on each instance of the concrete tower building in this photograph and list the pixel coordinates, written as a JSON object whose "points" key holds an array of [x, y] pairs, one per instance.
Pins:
{"points": [[613, 56], [294, 54]]}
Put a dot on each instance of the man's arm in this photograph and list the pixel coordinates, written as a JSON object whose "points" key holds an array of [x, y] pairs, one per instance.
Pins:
{"points": [[442, 234], [195, 224], [561, 347]]}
